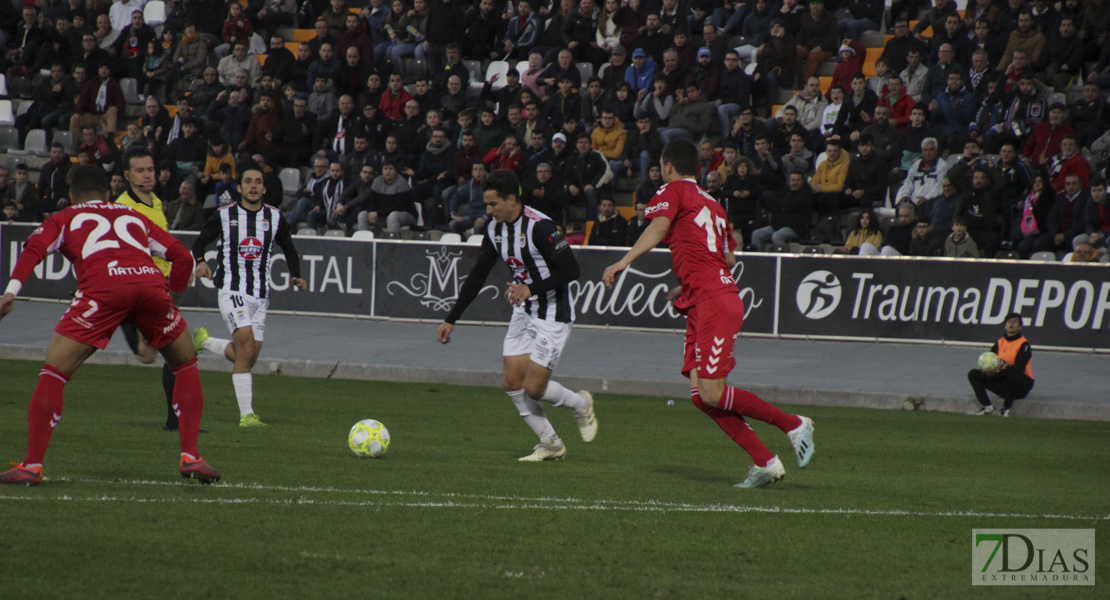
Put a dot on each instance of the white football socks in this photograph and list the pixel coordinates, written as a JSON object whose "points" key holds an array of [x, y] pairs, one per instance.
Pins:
{"points": [[532, 413], [558, 395], [217, 346], [244, 392]]}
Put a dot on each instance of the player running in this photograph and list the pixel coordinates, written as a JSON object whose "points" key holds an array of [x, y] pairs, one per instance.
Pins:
{"points": [[247, 233], [110, 247], [696, 229], [542, 266]]}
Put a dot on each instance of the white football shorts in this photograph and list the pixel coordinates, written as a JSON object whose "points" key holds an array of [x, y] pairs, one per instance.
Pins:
{"points": [[543, 340], [241, 310]]}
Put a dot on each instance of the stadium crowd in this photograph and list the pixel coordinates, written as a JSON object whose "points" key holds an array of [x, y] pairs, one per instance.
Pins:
{"points": [[979, 132]]}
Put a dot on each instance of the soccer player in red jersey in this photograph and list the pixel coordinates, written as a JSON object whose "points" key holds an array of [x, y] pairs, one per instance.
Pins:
{"points": [[110, 246], [696, 229]]}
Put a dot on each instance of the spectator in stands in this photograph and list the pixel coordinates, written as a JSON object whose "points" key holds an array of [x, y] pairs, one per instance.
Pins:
{"points": [[899, 236], [1025, 38], [204, 90], [883, 132], [130, 48], [926, 241], [327, 212], [100, 104], [859, 107], [638, 223], [239, 60], [334, 17], [1047, 137], [610, 227], [466, 207], [745, 131], [411, 34], [960, 244], [53, 184], [642, 148], [236, 28], [817, 39], [355, 199], [641, 72], [262, 130], [394, 100], [1096, 223], [955, 36], [789, 214], [23, 195], [189, 150], [914, 75], [1014, 379], [298, 130], [799, 158], [1034, 215], [234, 118], [647, 189], [923, 179], [865, 238], [909, 142], [897, 49], [1069, 161], [53, 99], [829, 127], [392, 200], [868, 176], [545, 194], [742, 199], [1062, 58], [1083, 254], [102, 151], [587, 174], [734, 89], [536, 153], [690, 117], [953, 110], [828, 181], [335, 135], [656, 103], [187, 212], [1066, 219], [609, 139], [936, 78], [809, 105], [980, 75], [979, 210], [776, 63], [865, 16], [523, 32]]}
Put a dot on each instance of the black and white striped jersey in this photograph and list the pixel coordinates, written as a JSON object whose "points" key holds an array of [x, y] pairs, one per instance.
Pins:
{"points": [[537, 256], [246, 248]]}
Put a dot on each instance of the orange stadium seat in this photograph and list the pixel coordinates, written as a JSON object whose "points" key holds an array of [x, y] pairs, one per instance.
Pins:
{"points": [[292, 47], [627, 211], [826, 82], [261, 58], [303, 35], [171, 110], [873, 55]]}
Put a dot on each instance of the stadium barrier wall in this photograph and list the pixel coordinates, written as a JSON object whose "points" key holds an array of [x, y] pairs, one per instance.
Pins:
{"points": [[852, 298]]}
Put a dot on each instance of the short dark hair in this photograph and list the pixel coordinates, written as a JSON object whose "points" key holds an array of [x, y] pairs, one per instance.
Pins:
{"points": [[683, 156], [87, 181], [249, 165], [135, 152], [1096, 180], [503, 182]]}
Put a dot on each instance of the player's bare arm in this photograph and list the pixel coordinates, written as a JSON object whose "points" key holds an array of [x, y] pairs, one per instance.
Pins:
{"points": [[648, 240], [7, 303]]}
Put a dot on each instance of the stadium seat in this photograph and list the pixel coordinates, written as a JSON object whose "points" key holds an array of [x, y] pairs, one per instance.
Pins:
{"points": [[497, 67], [750, 69], [9, 139], [1055, 97], [7, 116], [65, 138], [390, 235], [35, 144], [24, 107], [1006, 255], [813, 250], [873, 55], [1043, 256], [586, 70], [4, 86], [335, 233], [884, 225], [475, 240], [826, 83], [475, 69], [363, 236], [308, 232], [450, 238], [777, 249], [421, 236], [601, 71], [154, 13], [290, 181], [130, 90], [302, 35], [1105, 259], [210, 202], [262, 58]]}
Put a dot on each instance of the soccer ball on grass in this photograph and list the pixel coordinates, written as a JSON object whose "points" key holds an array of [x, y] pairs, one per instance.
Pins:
{"points": [[368, 439], [989, 363]]}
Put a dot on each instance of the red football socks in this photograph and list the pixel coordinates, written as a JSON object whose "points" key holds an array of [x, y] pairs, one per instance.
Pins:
{"points": [[188, 403], [44, 413], [747, 404], [736, 428]]}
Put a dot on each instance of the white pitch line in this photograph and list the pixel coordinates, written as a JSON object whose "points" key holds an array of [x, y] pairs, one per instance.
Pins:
{"points": [[491, 502]]}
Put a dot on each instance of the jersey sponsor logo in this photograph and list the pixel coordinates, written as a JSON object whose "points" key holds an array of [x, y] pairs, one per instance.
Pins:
{"points": [[726, 278], [818, 295], [115, 270], [654, 208], [250, 248], [520, 272]]}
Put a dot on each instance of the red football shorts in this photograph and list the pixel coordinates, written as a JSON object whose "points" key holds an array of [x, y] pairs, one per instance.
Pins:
{"points": [[711, 329], [93, 316]]}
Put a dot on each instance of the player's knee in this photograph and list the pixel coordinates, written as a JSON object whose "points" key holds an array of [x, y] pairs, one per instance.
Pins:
{"points": [[535, 389], [511, 384], [245, 350]]}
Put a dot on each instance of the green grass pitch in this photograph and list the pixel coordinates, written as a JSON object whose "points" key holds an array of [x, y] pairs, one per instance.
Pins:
{"points": [[885, 510]]}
